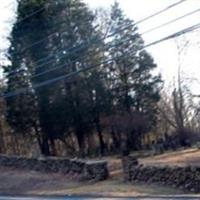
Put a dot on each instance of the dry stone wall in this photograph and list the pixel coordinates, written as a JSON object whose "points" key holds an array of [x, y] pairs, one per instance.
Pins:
{"points": [[187, 178], [87, 170]]}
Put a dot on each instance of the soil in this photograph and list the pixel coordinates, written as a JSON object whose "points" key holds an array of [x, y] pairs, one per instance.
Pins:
{"points": [[16, 182]]}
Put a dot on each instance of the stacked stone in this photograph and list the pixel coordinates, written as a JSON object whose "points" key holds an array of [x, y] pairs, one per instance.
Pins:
{"points": [[187, 178], [128, 163], [86, 170], [96, 170]]}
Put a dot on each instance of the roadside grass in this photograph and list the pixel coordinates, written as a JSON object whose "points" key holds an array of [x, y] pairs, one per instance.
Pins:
{"points": [[16, 182]]}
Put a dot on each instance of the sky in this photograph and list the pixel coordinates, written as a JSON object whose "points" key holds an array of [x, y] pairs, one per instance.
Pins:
{"points": [[165, 54]]}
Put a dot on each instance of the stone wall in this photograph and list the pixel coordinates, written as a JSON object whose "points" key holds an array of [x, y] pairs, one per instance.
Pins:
{"points": [[87, 170], [187, 178]]}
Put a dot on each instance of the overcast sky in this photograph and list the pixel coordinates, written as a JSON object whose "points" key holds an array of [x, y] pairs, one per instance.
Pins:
{"points": [[165, 54]]}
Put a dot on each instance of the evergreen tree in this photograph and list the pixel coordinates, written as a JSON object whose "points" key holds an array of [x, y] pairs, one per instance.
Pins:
{"points": [[73, 22], [135, 88], [76, 106]]}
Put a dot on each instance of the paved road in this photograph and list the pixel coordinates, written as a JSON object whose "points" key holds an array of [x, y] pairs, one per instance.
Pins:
{"points": [[90, 198]]}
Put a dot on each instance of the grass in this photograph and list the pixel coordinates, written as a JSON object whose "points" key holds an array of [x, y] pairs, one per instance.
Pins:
{"points": [[178, 158], [15, 182]]}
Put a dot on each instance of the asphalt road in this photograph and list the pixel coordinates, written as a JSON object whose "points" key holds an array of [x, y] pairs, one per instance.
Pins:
{"points": [[90, 198]]}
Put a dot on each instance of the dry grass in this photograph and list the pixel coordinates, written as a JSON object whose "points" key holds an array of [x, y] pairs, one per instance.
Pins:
{"points": [[15, 182], [179, 158]]}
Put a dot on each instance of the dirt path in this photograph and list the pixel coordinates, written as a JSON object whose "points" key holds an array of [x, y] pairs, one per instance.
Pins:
{"points": [[15, 182]]}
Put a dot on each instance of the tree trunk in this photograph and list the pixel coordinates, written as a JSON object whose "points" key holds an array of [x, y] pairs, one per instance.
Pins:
{"points": [[80, 139], [2, 144], [39, 139], [101, 140], [53, 147], [45, 150], [116, 141]]}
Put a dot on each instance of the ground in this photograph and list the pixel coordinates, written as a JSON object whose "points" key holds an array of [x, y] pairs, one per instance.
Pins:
{"points": [[179, 158], [16, 182]]}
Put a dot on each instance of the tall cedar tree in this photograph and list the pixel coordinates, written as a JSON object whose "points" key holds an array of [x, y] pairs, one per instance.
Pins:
{"points": [[56, 109], [135, 89], [77, 105]]}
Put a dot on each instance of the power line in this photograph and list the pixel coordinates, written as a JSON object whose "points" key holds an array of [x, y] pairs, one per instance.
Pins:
{"points": [[69, 75], [28, 15], [71, 50], [108, 45], [150, 30], [43, 39], [31, 14], [171, 21], [174, 35], [40, 41], [160, 11], [136, 23], [76, 60]]}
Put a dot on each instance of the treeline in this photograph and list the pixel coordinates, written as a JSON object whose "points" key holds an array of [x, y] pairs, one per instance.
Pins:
{"points": [[108, 102]]}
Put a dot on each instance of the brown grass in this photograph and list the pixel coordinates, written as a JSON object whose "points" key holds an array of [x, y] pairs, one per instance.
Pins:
{"points": [[179, 158], [16, 182]]}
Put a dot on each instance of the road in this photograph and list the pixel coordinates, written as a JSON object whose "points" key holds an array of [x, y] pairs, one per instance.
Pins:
{"points": [[91, 198]]}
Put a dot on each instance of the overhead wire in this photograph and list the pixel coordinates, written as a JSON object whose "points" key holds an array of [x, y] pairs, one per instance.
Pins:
{"points": [[161, 11], [106, 47], [136, 23], [171, 21], [71, 51], [155, 28], [109, 61], [150, 30]]}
